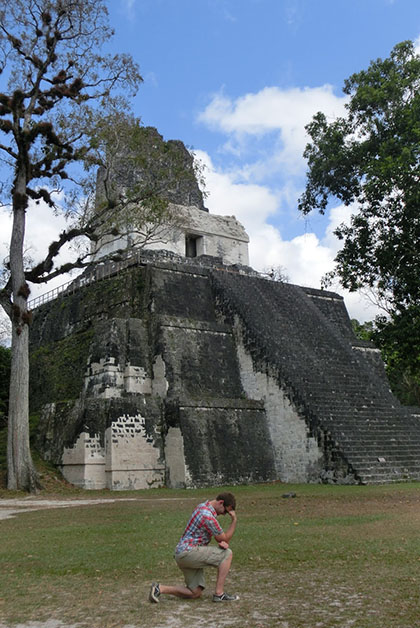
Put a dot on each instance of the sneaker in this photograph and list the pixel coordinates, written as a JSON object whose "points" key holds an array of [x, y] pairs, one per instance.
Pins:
{"points": [[225, 597], [154, 593]]}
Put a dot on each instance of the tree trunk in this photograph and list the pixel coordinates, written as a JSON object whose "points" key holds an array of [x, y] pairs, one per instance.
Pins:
{"points": [[21, 473]]}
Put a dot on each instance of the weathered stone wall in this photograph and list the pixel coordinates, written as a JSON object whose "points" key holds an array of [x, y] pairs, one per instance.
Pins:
{"points": [[226, 443], [170, 375], [94, 383], [85, 462], [168, 171], [205, 405], [217, 236], [166, 167]]}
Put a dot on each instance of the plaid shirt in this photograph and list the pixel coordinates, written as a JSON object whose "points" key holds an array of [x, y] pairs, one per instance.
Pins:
{"points": [[200, 528]]}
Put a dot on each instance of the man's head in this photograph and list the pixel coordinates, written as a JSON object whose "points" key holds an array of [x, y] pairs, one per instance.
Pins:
{"points": [[226, 501]]}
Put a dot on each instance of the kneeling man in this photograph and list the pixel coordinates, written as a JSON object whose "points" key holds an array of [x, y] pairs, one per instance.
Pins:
{"points": [[193, 552]]}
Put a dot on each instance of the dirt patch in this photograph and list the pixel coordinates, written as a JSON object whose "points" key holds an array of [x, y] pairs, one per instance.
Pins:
{"points": [[11, 507], [52, 623], [267, 600]]}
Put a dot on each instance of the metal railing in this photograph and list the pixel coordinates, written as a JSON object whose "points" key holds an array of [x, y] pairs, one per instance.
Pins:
{"points": [[101, 271]]}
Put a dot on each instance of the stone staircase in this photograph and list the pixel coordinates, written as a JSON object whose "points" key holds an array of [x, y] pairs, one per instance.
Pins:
{"points": [[337, 382]]}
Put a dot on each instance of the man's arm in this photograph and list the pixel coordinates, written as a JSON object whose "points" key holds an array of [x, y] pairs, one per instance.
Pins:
{"points": [[226, 536]]}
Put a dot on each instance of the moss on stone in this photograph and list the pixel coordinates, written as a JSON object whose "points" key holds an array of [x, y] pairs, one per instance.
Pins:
{"points": [[57, 369], [115, 297]]}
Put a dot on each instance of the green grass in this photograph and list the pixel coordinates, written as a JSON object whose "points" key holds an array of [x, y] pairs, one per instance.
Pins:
{"points": [[333, 556]]}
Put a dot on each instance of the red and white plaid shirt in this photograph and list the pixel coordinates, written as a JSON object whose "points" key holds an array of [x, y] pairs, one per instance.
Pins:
{"points": [[200, 528]]}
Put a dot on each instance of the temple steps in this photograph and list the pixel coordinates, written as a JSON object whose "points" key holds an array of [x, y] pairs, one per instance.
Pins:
{"points": [[337, 383]]}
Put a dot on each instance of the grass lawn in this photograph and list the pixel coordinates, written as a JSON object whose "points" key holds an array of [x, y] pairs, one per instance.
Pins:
{"points": [[332, 556]]}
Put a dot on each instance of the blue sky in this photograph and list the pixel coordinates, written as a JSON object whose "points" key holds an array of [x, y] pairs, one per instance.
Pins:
{"points": [[237, 80]]}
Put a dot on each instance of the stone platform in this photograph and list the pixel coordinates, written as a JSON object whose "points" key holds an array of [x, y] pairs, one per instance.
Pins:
{"points": [[190, 373]]}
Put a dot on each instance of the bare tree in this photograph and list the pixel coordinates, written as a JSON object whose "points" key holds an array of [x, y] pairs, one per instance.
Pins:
{"points": [[50, 59], [5, 329], [276, 273]]}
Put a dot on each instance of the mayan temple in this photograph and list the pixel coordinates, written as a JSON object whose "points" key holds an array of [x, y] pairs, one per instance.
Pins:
{"points": [[181, 366]]}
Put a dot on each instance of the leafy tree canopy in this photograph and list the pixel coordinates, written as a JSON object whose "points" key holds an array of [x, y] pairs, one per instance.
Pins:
{"points": [[370, 159]]}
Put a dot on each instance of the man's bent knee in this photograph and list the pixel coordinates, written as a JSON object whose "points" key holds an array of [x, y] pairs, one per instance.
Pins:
{"points": [[228, 557]]}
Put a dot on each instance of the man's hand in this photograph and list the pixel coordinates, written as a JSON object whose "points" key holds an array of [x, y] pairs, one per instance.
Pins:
{"points": [[224, 545], [226, 536]]}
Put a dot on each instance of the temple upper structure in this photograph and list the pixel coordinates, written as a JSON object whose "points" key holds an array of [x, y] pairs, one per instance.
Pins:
{"points": [[198, 233], [191, 231]]}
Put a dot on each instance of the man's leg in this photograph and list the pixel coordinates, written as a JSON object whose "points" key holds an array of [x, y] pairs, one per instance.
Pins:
{"points": [[193, 589], [222, 572], [179, 591], [207, 556]]}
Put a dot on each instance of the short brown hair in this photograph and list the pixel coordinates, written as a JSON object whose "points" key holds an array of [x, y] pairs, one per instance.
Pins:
{"points": [[228, 500]]}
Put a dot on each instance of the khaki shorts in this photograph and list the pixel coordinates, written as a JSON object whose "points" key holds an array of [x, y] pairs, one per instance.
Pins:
{"points": [[192, 563]]}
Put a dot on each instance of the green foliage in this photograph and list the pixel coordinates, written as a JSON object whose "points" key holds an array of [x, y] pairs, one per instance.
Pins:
{"points": [[371, 159], [399, 349], [364, 331], [398, 337]]}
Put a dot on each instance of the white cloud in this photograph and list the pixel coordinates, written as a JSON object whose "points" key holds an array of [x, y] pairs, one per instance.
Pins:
{"points": [[337, 216], [417, 45], [222, 11], [250, 203], [305, 257], [151, 79], [284, 112]]}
